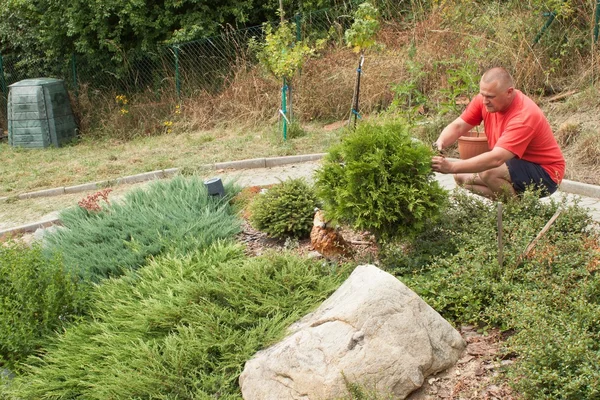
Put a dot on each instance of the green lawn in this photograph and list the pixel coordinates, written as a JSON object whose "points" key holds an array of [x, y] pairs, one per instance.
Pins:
{"points": [[26, 170]]}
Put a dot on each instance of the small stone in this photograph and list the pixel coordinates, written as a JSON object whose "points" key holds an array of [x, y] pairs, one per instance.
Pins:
{"points": [[314, 255]]}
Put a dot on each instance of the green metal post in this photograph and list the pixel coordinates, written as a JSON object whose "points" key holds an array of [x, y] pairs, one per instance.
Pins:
{"points": [[2, 81], [284, 108], [596, 20], [3, 88], [299, 30], [177, 80], [552, 15], [74, 69]]}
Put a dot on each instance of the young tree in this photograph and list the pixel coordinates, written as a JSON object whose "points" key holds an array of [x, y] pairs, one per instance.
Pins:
{"points": [[282, 55], [361, 36]]}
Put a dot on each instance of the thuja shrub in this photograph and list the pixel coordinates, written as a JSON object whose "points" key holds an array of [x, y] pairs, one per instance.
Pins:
{"points": [[122, 235], [380, 179], [285, 210], [37, 298], [549, 299], [179, 328]]}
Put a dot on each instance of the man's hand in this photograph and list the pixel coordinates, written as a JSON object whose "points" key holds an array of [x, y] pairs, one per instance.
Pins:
{"points": [[440, 164]]}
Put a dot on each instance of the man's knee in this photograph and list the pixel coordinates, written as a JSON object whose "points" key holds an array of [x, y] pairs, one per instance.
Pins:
{"points": [[459, 179], [486, 176]]}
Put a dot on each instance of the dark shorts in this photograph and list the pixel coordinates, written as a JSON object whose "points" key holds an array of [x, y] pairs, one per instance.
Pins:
{"points": [[524, 174]]}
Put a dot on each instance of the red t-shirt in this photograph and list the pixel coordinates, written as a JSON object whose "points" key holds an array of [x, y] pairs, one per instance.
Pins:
{"points": [[523, 130]]}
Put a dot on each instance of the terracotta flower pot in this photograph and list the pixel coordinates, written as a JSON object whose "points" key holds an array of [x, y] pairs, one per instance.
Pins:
{"points": [[472, 145]]}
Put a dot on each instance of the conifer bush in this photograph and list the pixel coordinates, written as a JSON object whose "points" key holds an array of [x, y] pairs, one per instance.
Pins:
{"points": [[37, 298], [122, 235], [285, 210], [182, 327], [380, 179]]}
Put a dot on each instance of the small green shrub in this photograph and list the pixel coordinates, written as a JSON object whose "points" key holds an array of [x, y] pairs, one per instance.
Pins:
{"points": [[286, 210], [37, 298], [380, 179]]}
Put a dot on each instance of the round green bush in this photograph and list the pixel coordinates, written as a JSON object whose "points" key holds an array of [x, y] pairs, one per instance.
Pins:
{"points": [[285, 210], [379, 178]]}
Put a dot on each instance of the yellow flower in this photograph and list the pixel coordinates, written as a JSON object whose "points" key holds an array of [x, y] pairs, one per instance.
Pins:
{"points": [[121, 99]]}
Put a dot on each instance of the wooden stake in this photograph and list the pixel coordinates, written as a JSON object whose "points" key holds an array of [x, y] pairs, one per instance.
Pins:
{"points": [[539, 235], [500, 243]]}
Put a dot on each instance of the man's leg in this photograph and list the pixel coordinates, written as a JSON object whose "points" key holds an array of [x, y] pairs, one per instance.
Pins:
{"points": [[491, 183]]}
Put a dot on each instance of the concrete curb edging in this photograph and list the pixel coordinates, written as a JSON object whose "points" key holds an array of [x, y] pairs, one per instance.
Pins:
{"points": [[582, 189], [567, 186], [165, 173], [28, 228]]}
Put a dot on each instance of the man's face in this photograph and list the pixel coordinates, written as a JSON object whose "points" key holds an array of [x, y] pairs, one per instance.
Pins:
{"points": [[495, 98]]}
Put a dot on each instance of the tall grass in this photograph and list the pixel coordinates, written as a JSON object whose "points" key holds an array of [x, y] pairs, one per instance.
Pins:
{"points": [[176, 213], [454, 32], [180, 328]]}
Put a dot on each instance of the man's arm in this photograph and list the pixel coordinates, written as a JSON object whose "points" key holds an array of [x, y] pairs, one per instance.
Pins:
{"points": [[452, 132], [492, 159]]}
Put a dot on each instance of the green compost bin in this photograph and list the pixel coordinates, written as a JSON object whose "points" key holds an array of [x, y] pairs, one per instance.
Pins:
{"points": [[40, 114]]}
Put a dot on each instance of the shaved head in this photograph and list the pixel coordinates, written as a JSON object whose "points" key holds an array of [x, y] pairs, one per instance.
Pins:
{"points": [[500, 75], [496, 89]]}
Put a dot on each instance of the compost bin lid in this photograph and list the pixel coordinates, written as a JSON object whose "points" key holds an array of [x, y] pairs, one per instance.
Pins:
{"points": [[37, 82]]}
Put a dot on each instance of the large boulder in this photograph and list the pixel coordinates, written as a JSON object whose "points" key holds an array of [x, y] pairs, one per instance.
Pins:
{"points": [[373, 331]]}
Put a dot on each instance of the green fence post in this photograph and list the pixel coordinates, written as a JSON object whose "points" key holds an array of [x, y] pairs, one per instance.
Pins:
{"points": [[596, 20], [177, 81], [74, 70], [551, 15], [284, 108], [2, 80], [3, 88], [298, 27]]}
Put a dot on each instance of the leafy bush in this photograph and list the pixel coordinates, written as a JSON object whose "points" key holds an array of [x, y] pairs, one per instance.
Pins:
{"points": [[181, 327], [286, 210], [549, 299], [176, 212], [37, 298], [458, 221], [380, 179]]}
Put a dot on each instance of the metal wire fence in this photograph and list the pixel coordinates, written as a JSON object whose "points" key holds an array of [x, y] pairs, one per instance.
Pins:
{"points": [[186, 69], [176, 71]]}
